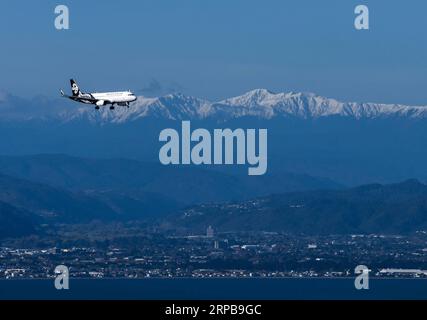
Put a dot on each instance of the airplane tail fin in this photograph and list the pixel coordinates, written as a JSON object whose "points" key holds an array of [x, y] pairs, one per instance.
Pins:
{"points": [[75, 88]]}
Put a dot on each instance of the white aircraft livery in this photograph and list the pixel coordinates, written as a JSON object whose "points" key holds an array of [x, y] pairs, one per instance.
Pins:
{"points": [[99, 99]]}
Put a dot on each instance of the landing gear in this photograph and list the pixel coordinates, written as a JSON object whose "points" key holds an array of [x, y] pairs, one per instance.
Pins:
{"points": [[97, 108], [112, 108]]}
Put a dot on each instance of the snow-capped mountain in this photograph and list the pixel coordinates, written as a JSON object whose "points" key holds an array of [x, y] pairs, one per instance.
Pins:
{"points": [[265, 104], [259, 103], [344, 148]]}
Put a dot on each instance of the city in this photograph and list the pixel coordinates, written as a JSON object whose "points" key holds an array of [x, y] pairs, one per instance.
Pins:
{"points": [[159, 254]]}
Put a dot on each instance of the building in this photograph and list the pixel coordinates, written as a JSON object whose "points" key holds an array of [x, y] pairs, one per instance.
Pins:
{"points": [[210, 232]]}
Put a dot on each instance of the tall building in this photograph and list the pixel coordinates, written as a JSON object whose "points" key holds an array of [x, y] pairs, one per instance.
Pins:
{"points": [[210, 232]]}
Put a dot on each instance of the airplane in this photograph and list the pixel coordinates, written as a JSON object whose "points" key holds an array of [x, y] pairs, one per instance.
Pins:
{"points": [[99, 99]]}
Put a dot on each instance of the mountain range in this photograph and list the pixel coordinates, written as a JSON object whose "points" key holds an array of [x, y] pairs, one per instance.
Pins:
{"points": [[185, 185], [259, 103], [112, 171], [58, 189], [52, 189], [381, 209], [350, 143]]}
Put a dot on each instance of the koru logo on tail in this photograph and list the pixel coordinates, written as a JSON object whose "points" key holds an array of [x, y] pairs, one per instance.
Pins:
{"points": [[75, 89]]}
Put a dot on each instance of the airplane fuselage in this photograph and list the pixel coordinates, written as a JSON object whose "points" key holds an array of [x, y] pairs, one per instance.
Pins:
{"points": [[121, 97]]}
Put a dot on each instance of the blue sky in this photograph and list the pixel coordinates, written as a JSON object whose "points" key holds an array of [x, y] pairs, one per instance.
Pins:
{"points": [[217, 49]]}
